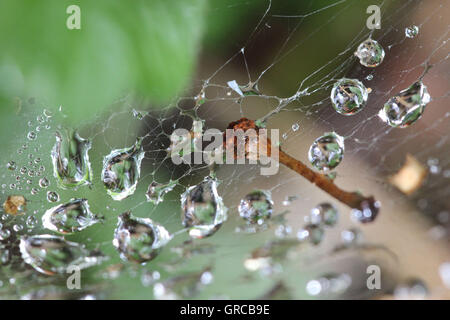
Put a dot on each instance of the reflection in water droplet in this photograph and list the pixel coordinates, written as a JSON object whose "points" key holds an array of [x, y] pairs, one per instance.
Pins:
{"points": [[121, 170], [329, 284], [312, 233], [324, 214], [50, 254], [70, 158], [44, 183], [70, 217], [412, 31], [11, 165], [256, 206], [182, 287], [348, 96], [370, 53], [203, 209], [139, 239], [31, 135], [327, 151], [52, 196], [156, 191], [406, 107]]}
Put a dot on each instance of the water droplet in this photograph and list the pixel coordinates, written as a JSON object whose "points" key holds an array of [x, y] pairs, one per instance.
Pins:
{"points": [[121, 170], [411, 289], [327, 151], [203, 209], [138, 114], [312, 233], [44, 183], [11, 165], [412, 31], [348, 96], [17, 227], [156, 191], [70, 158], [5, 234], [367, 212], [15, 204], [407, 107], [329, 284], [182, 287], [70, 217], [370, 53], [52, 196], [50, 254], [31, 135], [139, 239], [352, 236], [256, 206], [324, 214], [33, 190], [295, 127], [148, 277], [31, 222], [369, 77]]}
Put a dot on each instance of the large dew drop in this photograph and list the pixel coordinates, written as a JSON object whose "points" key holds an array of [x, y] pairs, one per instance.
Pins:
{"points": [[71, 166], [203, 209], [139, 239], [406, 107], [121, 170], [50, 254], [348, 96], [256, 206], [327, 151], [370, 53], [70, 217]]}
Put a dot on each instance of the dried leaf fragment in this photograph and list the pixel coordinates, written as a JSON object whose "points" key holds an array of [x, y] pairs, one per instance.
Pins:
{"points": [[15, 204]]}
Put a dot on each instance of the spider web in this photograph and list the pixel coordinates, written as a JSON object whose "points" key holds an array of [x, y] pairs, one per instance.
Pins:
{"points": [[298, 104]]}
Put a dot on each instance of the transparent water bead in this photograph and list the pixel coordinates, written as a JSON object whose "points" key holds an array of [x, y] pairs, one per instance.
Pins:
{"points": [[324, 214], [139, 239], [70, 158], [312, 232], [184, 286], [156, 191], [348, 96], [203, 210], [70, 217], [50, 254], [406, 107], [52, 196], [256, 206], [367, 212], [121, 170], [329, 284], [327, 151], [412, 31], [370, 53]]}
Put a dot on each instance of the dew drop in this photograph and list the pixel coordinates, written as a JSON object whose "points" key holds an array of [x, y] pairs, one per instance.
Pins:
{"points": [[367, 212], [348, 96], [406, 107], [70, 217], [70, 158], [11, 165], [52, 196], [411, 289], [4, 234], [156, 191], [329, 284], [312, 233], [370, 53], [412, 31], [31, 222], [256, 206], [44, 183], [352, 236], [121, 170], [139, 239], [324, 214], [295, 127], [50, 254], [31, 135], [203, 211], [327, 151]]}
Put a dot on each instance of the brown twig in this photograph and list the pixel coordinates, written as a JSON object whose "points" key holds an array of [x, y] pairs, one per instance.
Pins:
{"points": [[366, 208]]}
